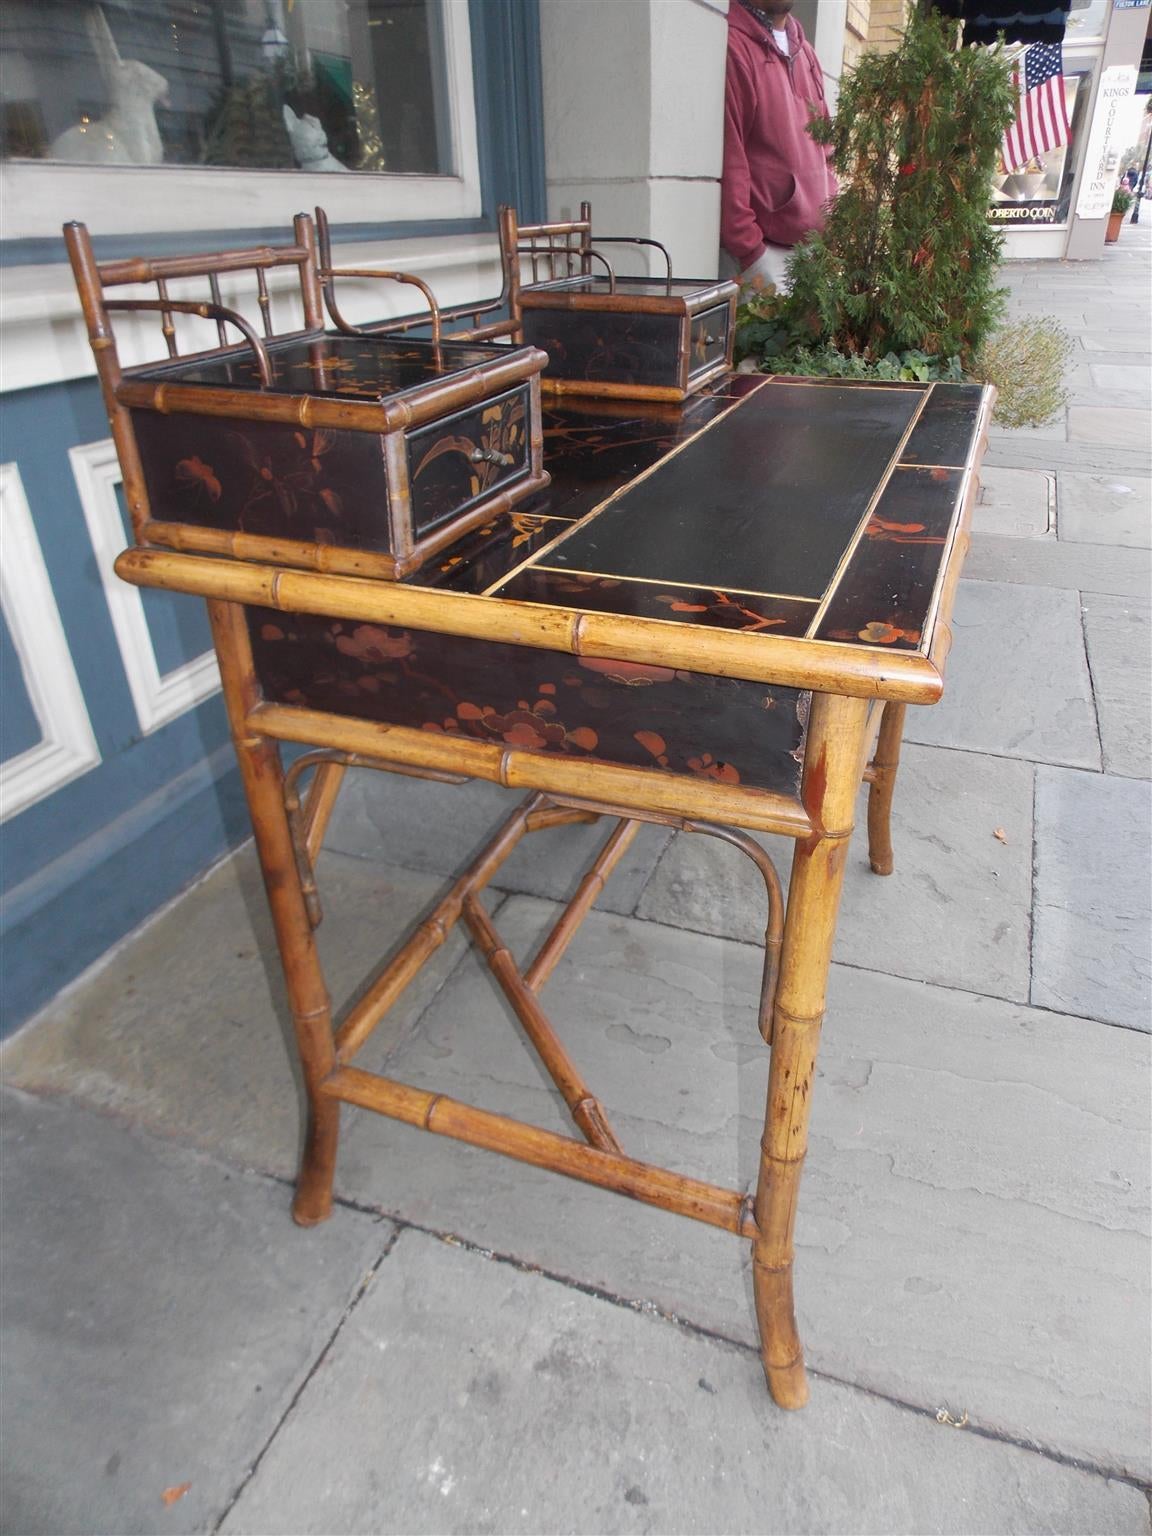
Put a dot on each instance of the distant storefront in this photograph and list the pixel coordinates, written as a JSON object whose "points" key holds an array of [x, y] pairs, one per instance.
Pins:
{"points": [[1056, 206]]}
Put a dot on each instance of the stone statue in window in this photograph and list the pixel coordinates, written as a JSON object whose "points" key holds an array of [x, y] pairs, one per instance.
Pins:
{"points": [[127, 133], [310, 142]]}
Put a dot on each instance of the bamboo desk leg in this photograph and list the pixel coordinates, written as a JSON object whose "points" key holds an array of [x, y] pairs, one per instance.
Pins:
{"points": [[882, 778], [832, 766], [308, 998]]}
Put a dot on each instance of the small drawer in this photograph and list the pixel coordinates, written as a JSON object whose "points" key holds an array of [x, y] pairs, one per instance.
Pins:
{"points": [[461, 459], [709, 340]]}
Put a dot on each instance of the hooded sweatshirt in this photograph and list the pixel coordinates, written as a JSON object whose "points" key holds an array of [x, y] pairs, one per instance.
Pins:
{"points": [[776, 178]]}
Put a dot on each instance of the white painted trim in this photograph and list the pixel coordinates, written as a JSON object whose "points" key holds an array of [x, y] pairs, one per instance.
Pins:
{"points": [[1034, 243], [38, 196], [158, 697], [67, 747]]}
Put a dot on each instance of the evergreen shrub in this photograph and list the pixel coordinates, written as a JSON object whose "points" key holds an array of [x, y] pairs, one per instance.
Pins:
{"points": [[902, 280]]}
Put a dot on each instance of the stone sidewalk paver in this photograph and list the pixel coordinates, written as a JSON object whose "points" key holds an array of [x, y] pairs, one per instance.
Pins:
{"points": [[1018, 503], [975, 1198], [391, 818], [576, 1416], [1110, 424], [1093, 897], [187, 1029], [1017, 681], [1106, 568], [160, 1311], [954, 911], [1105, 509], [1119, 635]]}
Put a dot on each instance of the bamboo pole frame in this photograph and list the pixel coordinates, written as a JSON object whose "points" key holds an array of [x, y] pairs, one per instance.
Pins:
{"points": [[856, 671], [798, 942], [850, 684]]}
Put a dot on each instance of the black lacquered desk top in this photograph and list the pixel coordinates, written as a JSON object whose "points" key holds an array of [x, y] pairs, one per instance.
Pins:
{"points": [[818, 510], [804, 534]]}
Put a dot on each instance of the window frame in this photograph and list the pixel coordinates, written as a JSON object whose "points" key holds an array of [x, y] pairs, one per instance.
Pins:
{"points": [[39, 195]]}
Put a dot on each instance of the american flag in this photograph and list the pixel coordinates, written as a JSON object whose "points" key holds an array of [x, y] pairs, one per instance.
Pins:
{"points": [[1041, 115]]}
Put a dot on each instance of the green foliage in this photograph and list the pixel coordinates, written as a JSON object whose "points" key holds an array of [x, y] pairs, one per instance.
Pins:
{"points": [[1121, 200], [767, 324], [907, 260], [771, 333], [908, 367], [1026, 363]]}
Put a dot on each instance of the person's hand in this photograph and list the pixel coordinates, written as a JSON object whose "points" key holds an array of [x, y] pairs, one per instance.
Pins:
{"points": [[769, 272]]}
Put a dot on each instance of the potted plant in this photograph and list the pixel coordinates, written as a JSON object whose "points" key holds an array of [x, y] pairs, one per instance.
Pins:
{"points": [[1121, 202]]}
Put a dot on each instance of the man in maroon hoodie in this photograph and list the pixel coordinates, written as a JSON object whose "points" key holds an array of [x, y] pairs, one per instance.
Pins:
{"points": [[776, 179]]}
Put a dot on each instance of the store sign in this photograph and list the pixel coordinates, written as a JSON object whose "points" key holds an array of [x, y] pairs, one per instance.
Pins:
{"points": [[1099, 181], [1129, 5]]}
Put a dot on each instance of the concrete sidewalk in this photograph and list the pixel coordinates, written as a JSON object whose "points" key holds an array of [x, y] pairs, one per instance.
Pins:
{"points": [[474, 1346]]}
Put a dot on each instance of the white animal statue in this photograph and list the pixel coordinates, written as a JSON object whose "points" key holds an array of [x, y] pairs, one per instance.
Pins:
{"points": [[310, 142], [127, 133]]}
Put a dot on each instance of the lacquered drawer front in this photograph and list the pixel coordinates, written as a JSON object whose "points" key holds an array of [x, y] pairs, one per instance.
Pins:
{"points": [[460, 459], [709, 339], [670, 721], [269, 478], [608, 347]]}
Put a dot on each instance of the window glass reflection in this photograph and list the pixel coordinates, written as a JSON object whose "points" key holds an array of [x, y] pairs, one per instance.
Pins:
{"points": [[318, 85]]}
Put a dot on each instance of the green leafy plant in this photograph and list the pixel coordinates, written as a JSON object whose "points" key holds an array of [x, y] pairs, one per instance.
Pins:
{"points": [[767, 325], [907, 260], [1026, 362], [1121, 200]]}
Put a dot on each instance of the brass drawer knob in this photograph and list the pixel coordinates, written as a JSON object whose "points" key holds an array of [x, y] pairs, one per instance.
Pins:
{"points": [[490, 456]]}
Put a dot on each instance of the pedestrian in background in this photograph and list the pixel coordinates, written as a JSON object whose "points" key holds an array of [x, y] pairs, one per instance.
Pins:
{"points": [[776, 179]]}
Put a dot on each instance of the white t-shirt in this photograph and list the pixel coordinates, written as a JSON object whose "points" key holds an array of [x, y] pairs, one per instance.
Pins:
{"points": [[781, 39]]}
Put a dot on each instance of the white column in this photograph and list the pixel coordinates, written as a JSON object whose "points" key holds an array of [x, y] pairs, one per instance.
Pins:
{"points": [[633, 113]]}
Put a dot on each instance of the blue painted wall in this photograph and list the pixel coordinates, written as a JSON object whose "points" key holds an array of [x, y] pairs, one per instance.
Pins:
{"points": [[86, 865]]}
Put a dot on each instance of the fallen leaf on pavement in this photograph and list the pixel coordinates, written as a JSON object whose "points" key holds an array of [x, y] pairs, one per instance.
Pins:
{"points": [[174, 1495], [1000, 835], [944, 1417]]}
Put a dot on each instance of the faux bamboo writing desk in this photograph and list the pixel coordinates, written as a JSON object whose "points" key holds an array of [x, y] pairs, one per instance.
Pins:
{"points": [[698, 624]]}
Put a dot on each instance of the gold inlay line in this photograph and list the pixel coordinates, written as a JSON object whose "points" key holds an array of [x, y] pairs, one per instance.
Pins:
{"points": [[687, 586]]}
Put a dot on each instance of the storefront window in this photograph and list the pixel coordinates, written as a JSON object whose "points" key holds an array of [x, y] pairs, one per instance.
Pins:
{"points": [[1039, 194], [273, 85]]}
